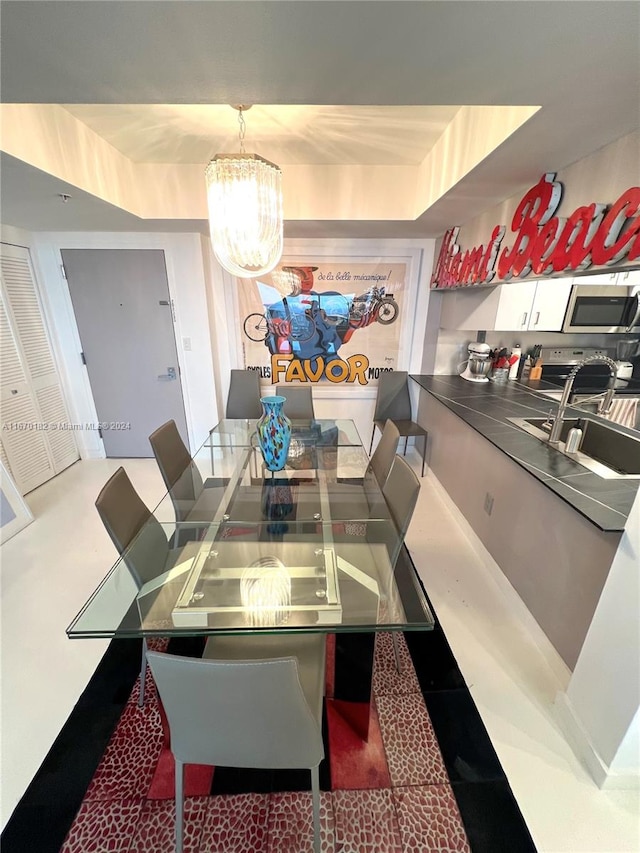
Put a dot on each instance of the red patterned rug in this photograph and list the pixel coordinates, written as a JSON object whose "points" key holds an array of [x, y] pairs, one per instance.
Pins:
{"points": [[389, 794]]}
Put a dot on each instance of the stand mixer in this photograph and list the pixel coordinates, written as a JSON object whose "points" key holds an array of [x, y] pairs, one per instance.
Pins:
{"points": [[478, 365]]}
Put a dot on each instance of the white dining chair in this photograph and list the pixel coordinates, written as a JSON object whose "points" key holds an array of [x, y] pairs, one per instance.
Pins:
{"points": [[231, 712]]}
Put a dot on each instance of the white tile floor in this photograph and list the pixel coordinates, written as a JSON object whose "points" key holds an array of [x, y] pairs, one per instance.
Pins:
{"points": [[48, 570]]}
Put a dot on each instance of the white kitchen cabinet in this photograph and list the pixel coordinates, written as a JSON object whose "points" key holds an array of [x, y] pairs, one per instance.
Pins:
{"points": [[597, 278], [629, 278], [515, 301], [537, 306], [549, 305]]}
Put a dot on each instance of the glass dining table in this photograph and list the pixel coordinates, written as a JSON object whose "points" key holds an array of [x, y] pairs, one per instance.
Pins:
{"points": [[311, 548]]}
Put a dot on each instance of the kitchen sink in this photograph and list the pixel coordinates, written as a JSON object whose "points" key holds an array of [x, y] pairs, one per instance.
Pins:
{"points": [[603, 449]]}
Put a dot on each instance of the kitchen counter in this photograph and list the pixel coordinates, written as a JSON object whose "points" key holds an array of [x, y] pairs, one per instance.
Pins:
{"points": [[486, 407]]}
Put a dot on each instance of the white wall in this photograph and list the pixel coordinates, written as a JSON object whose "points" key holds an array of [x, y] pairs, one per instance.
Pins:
{"points": [[187, 288], [599, 711], [15, 236]]}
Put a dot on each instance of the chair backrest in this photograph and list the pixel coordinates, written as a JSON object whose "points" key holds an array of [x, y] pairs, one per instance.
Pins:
{"points": [[243, 400], [237, 713], [132, 526], [299, 405], [393, 400], [180, 474], [401, 493], [383, 455]]}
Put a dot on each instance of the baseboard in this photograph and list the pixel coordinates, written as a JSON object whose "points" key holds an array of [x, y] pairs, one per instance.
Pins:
{"points": [[578, 738], [516, 604]]}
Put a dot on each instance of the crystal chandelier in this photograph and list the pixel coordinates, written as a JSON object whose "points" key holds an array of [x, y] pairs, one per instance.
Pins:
{"points": [[244, 193]]}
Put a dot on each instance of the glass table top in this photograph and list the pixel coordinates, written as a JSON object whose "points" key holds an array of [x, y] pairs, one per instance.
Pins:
{"points": [[323, 431], [312, 548]]}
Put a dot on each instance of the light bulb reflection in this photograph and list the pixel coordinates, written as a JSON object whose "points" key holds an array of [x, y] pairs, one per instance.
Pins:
{"points": [[265, 592]]}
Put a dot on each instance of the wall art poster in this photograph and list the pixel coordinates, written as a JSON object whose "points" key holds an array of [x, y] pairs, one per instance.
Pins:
{"points": [[335, 322]]}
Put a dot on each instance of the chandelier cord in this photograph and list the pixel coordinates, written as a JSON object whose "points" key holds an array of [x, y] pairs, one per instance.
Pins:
{"points": [[242, 129]]}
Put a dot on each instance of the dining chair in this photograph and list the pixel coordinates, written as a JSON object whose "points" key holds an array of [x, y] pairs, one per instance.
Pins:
{"points": [[299, 405], [245, 712], [394, 403], [243, 400], [128, 520], [401, 494], [191, 500], [385, 452]]}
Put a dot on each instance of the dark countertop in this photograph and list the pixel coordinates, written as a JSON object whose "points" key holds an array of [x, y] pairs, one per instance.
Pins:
{"points": [[486, 407]]}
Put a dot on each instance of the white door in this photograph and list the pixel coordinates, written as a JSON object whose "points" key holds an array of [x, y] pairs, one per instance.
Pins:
{"points": [[36, 434], [124, 314], [550, 305], [514, 307]]}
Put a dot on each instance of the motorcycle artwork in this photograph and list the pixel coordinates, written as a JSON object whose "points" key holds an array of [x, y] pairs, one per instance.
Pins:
{"points": [[311, 325]]}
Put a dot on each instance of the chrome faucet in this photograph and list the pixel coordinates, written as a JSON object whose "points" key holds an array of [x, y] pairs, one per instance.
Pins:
{"points": [[605, 403]]}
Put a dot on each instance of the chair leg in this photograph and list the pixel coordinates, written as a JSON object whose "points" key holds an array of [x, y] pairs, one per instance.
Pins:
{"points": [[315, 794], [143, 673], [406, 441], [179, 805], [424, 451], [396, 652], [373, 432]]}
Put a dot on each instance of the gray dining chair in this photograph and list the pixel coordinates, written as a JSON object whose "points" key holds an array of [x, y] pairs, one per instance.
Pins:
{"points": [[191, 500], [299, 405], [385, 452], [263, 713], [243, 399], [401, 492], [394, 403], [137, 535]]}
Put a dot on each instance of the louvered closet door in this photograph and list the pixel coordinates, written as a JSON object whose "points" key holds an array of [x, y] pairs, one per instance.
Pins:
{"points": [[33, 408]]}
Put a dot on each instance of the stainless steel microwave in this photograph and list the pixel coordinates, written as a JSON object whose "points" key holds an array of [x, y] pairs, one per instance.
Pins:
{"points": [[608, 308]]}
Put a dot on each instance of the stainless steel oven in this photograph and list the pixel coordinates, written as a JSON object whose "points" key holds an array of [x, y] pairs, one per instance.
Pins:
{"points": [[608, 308]]}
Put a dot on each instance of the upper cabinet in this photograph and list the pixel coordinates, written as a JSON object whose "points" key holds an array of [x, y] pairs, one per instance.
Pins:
{"points": [[537, 306], [597, 278], [549, 305], [630, 278]]}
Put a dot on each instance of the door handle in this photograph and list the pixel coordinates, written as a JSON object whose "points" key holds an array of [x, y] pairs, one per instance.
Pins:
{"points": [[535, 322], [169, 376], [524, 318]]}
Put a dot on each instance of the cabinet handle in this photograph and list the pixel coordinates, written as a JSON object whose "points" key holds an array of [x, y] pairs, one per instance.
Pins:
{"points": [[524, 318], [14, 390], [535, 322]]}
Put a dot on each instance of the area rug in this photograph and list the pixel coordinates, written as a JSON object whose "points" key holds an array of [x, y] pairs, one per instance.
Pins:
{"points": [[426, 781]]}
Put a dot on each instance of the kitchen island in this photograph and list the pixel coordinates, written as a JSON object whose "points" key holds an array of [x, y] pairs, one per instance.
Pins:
{"points": [[552, 526]]}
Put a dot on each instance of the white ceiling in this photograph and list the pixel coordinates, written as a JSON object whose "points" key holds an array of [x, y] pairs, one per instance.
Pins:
{"points": [[382, 76], [174, 133]]}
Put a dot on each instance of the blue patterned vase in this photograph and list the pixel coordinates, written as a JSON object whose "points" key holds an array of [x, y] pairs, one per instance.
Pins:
{"points": [[274, 433]]}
